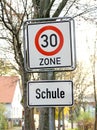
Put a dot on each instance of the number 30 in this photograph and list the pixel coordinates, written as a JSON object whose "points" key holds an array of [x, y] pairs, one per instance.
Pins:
{"points": [[49, 40]]}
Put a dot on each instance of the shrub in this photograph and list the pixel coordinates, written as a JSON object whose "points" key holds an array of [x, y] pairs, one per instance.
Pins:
{"points": [[85, 121], [3, 121], [74, 129]]}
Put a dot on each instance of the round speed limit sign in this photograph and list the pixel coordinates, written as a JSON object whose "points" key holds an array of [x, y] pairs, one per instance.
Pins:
{"points": [[49, 40]]}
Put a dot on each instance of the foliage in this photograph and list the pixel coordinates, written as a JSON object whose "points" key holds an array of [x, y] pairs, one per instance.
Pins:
{"points": [[74, 129], [65, 110], [80, 77], [85, 121], [7, 67], [3, 120]]}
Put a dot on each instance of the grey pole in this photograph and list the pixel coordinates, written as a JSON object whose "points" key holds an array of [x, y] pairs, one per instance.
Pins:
{"points": [[51, 119], [51, 109]]}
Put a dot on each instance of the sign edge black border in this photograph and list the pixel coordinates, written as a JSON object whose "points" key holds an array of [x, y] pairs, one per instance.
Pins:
{"points": [[57, 68], [41, 81]]}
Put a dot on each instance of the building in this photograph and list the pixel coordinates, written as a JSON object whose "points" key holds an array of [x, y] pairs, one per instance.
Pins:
{"points": [[10, 96]]}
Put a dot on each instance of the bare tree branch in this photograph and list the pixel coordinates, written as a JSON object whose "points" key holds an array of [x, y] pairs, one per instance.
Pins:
{"points": [[3, 18], [60, 8], [49, 8], [85, 12], [70, 7], [36, 8]]}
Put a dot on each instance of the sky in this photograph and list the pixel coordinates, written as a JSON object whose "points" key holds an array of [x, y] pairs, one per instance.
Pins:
{"points": [[85, 38]]}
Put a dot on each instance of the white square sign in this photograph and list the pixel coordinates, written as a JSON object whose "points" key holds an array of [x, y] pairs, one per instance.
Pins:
{"points": [[50, 45], [50, 93]]}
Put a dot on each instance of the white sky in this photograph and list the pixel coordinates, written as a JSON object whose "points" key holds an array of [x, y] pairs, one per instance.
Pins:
{"points": [[85, 38]]}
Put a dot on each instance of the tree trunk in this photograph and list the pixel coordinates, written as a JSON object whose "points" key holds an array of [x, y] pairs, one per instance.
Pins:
{"points": [[44, 112], [63, 124], [94, 83], [28, 112], [59, 119], [44, 119], [71, 117]]}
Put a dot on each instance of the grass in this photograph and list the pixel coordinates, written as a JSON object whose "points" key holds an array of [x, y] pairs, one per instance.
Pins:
{"points": [[15, 128]]}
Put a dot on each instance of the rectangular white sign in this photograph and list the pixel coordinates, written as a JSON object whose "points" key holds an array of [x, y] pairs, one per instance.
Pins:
{"points": [[50, 44], [50, 93]]}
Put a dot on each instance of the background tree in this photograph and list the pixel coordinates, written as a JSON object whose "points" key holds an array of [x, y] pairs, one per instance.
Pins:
{"points": [[93, 60], [80, 78], [3, 120], [8, 69]]}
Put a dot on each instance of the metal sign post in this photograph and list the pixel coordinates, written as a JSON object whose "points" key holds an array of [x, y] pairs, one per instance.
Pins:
{"points": [[51, 110], [50, 47]]}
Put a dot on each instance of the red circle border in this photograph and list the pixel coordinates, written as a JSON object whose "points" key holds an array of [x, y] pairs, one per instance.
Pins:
{"points": [[60, 44]]}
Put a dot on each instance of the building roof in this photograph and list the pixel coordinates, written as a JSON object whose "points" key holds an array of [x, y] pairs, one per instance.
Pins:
{"points": [[7, 88]]}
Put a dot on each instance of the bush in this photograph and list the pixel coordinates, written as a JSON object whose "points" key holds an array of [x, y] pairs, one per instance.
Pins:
{"points": [[74, 129], [3, 121], [85, 121]]}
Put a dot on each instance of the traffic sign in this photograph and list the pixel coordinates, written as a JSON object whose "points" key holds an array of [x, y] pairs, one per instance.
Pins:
{"points": [[49, 44], [49, 40], [50, 93]]}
